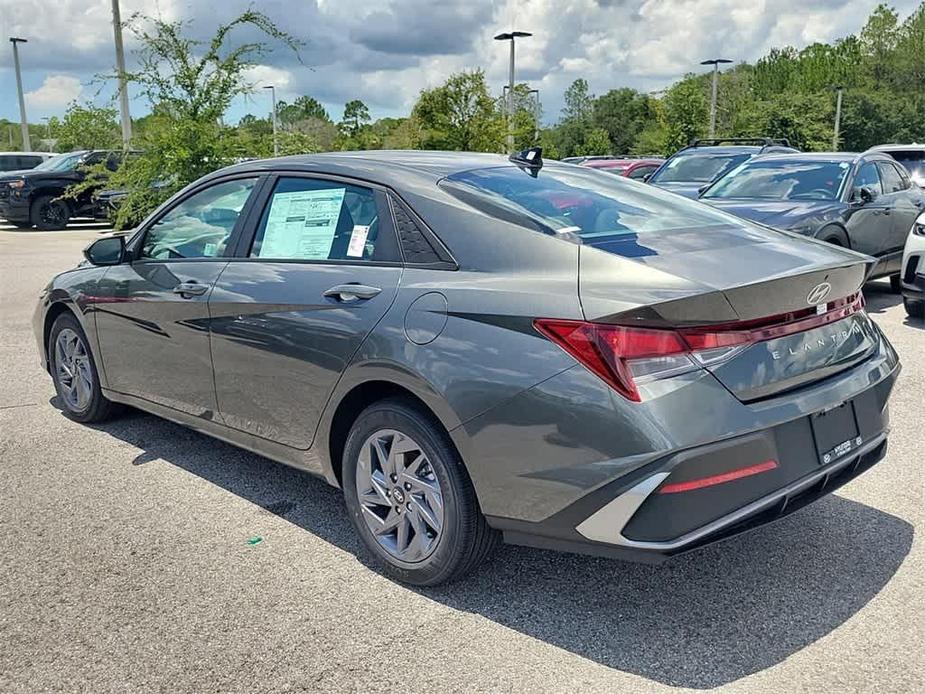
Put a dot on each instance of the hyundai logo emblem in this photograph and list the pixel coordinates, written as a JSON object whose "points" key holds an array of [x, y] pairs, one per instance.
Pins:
{"points": [[818, 293]]}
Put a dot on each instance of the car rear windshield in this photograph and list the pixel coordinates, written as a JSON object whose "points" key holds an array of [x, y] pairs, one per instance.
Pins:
{"points": [[696, 167], [579, 202], [782, 180], [912, 160]]}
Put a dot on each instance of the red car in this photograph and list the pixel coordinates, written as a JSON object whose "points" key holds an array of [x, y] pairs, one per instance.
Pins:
{"points": [[631, 168]]}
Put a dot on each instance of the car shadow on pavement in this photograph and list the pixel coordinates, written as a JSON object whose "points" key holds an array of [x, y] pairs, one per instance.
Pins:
{"points": [[879, 297], [699, 621]]}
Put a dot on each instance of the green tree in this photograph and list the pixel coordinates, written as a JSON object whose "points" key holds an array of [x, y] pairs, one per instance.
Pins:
{"points": [[356, 114], [622, 114], [686, 113], [302, 109], [460, 115], [85, 127], [189, 85]]}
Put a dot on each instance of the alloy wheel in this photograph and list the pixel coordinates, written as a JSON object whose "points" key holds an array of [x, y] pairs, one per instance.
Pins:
{"points": [[400, 497], [72, 367]]}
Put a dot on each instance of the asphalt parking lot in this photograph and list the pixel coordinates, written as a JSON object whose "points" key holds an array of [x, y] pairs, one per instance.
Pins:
{"points": [[141, 556]]}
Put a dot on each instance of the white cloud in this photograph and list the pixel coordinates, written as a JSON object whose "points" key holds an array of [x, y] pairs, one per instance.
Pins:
{"points": [[386, 52], [57, 91]]}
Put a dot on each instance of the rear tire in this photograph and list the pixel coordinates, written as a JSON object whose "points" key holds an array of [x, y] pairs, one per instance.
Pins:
{"points": [[914, 308], [414, 506], [896, 285], [74, 373], [49, 214]]}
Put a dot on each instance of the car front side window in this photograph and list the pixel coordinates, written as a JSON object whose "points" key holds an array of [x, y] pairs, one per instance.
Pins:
{"points": [[867, 178], [316, 220], [200, 225]]}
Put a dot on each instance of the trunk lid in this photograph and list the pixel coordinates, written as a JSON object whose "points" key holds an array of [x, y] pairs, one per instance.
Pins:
{"points": [[725, 275]]}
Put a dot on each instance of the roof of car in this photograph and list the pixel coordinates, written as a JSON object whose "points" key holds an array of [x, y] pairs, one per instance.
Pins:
{"points": [[732, 149], [824, 156], [30, 154], [382, 165], [914, 147], [621, 162]]}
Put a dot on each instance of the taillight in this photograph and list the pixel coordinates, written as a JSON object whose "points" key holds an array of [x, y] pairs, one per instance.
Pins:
{"points": [[619, 354], [622, 355]]}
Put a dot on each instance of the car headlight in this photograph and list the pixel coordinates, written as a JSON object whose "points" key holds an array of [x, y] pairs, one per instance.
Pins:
{"points": [[918, 227]]}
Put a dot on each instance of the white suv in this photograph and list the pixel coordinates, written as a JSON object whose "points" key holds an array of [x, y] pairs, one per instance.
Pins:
{"points": [[911, 156], [913, 270]]}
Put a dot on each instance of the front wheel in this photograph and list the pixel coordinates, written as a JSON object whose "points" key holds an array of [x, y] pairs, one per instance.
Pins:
{"points": [[409, 496], [73, 370], [49, 214]]}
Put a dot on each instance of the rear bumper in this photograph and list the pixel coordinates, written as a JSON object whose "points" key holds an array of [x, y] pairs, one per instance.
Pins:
{"points": [[631, 517], [774, 506]]}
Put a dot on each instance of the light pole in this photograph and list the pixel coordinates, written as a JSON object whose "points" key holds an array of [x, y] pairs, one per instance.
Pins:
{"points": [[536, 114], [24, 123], [510, 36], [838, 92], [120, 67], [715, 62], [272, 89]]}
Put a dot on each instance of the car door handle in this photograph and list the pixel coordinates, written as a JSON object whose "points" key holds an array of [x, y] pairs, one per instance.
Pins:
{"points": [[351, 292], [188, 289]]}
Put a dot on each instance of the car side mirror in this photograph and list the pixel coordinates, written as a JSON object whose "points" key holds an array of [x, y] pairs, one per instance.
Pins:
{"points": [[865, 195], [647, 177], [106, 251], [703, 189]]}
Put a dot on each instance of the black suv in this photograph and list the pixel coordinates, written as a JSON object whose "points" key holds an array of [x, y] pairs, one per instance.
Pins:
{"points": [[691, 169], [33, 198]]}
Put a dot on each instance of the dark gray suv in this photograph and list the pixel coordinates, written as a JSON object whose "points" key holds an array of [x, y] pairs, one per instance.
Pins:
{"points": [[476, 349]]}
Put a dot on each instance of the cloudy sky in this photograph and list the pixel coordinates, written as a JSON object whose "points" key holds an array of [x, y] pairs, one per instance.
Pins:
{"points": [[385, 52]]}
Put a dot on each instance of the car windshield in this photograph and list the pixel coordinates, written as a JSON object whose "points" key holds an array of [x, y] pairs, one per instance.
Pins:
{"points": [[578, 203], [912, 160], [782, 180], [62, 162], [696, 167]]}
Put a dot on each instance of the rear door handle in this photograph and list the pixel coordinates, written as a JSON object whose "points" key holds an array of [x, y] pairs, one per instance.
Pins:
{"points": [[351, 292], [188, 289]]}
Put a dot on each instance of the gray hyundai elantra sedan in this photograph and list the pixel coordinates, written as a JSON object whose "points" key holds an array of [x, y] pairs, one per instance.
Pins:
{"points": [[478, 348]]}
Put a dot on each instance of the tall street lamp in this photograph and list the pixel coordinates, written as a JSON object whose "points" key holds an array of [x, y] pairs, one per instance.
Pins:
{"points": [[715, 62], [120, 67], [272, 89], [24, 123], [835, 137], [510, 36]]}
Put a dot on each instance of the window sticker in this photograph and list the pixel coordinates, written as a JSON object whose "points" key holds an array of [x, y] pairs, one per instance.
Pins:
{"points": [[302, 224], [357, 241]]}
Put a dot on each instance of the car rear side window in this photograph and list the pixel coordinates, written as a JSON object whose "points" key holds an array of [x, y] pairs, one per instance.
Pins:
{"points": [[315, 219], [198, 226], [575, 201]]}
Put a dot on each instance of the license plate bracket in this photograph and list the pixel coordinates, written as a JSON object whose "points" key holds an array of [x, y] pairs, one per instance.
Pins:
{"points": [[836, 432]]}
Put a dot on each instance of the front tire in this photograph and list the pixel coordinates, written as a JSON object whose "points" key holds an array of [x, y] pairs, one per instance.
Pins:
{"points": [[409, 496], [49, 214], [74, 373]]}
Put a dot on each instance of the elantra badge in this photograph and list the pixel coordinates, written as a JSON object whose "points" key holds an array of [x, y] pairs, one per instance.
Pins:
{"points": [[818, 293]]}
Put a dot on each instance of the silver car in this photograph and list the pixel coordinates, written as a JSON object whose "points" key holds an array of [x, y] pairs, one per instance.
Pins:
{"points": [[477, 348]]}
